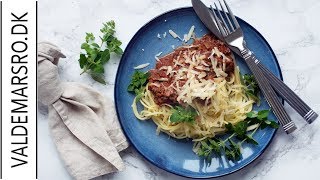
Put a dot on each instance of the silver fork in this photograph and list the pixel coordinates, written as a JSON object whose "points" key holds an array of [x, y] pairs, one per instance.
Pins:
{"points": [[233, 36]]}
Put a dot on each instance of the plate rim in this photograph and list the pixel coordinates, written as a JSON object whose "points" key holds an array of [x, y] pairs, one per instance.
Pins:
{"points": [[131, 42]]}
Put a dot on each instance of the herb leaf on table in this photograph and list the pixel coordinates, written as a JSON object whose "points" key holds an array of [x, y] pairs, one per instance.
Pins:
{"points": [[95, 56]]}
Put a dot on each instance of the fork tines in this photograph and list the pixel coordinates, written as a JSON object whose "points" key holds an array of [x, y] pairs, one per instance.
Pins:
{"points": [[233, 36]]}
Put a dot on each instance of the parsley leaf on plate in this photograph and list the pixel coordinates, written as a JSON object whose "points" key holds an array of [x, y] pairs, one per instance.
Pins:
{"points": [[261, 118], [216, 146], [233, 152], [252, 114], [210, 147], [263, 114], [239, 129], [138, 82], [180, 114], [251, 87], [249, 139]]}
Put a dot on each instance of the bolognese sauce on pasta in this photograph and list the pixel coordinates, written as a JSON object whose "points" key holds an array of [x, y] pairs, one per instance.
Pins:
{"points": [[203, 77]]}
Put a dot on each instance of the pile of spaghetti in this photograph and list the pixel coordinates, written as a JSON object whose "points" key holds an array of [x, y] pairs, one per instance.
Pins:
{"points": [[194, 91]]}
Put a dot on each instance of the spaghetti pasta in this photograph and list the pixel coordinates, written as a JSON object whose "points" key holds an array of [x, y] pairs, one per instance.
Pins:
{"points": [[203, 76], [228, 105]]}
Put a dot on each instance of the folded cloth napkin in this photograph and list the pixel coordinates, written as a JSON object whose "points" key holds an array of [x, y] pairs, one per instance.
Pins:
{"points": [[83, 123]]}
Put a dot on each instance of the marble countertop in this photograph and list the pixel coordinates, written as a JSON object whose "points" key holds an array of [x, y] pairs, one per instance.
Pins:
{"points": [[291, 27]]}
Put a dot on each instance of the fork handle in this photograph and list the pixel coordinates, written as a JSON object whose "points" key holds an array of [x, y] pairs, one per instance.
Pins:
{"points": [[290, 96], [270, 95]]}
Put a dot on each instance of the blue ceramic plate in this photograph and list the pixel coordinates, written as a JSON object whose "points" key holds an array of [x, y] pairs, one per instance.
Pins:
{"points": [[170, 154]]}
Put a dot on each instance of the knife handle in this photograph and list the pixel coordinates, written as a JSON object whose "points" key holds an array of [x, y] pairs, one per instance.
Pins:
{"points": [[290, 97], [269, 94]]}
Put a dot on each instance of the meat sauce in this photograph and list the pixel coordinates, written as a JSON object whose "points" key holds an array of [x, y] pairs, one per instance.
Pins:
{"points": [[161, 83]]}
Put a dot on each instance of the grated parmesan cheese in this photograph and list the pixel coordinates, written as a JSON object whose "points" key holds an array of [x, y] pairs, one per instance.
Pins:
{"points": [[164, 34], [169, 70], [157, 55], [204, 63], [141, 66], [191, 68], [200, 67], [163, 67], [189, 35], [163, 79], [193, 35], [174, 35], [202, 75], [155, 84], [185, 37]]}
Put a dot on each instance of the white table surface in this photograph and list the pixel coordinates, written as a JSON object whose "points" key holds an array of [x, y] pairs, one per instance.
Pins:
{"points": [[292, 28]]}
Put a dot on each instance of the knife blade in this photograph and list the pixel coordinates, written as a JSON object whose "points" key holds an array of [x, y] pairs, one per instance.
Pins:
{"points": [[207, 18]]}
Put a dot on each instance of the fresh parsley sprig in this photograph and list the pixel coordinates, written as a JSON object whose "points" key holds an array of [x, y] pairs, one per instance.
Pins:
{"points": [[95, 56], [232, 150], [138, 83], [180, 114], [260, 117], [251, 87]]}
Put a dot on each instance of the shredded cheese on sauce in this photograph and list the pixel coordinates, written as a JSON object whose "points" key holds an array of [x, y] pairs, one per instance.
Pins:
{"points": [[194, 72], [222, 99]]}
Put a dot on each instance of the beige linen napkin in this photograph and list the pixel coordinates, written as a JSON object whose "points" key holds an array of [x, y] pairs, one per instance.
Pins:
{"points": [[83, 123]]}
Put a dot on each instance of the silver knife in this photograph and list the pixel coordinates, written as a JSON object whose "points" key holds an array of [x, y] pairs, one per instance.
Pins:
{"points": [[279, 86]]}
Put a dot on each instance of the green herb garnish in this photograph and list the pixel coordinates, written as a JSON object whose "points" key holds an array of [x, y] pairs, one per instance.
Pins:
{"points": [[96, 55], [180, 114], [138, 82], [239, 129], [251, 87], [232, 150], [261, 118], [210, 147]]}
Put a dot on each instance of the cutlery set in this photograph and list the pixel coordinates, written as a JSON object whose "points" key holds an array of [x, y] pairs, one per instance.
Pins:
{"points": [[224, 25]]}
